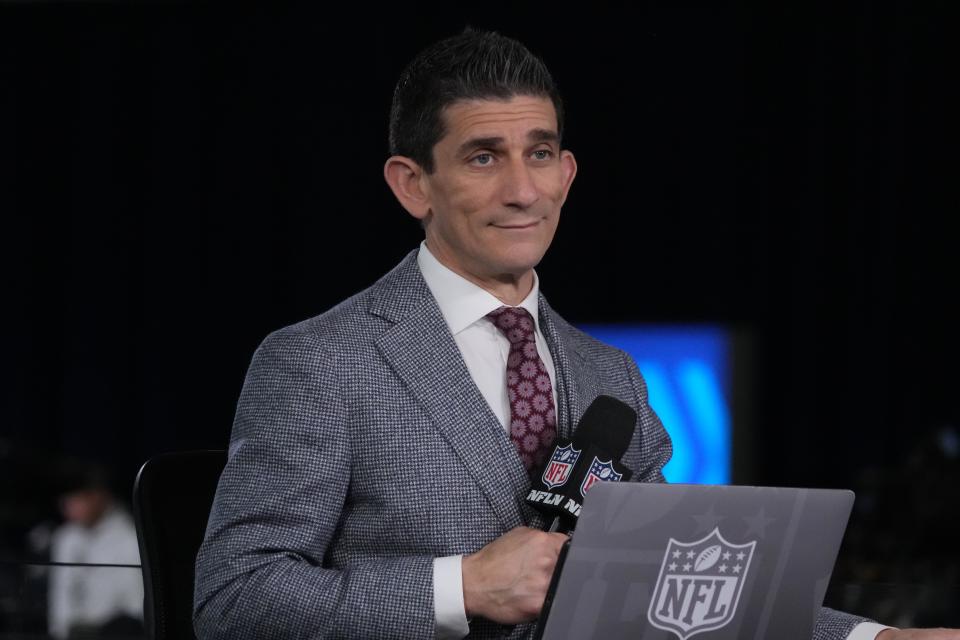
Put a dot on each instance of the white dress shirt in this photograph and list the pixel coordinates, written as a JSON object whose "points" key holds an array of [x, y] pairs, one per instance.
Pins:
{"points": [[484, 348]]}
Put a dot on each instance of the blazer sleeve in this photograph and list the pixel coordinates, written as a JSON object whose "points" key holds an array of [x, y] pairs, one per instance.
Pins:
{"points": [[263, 570], [835, 625], [651, 448]]}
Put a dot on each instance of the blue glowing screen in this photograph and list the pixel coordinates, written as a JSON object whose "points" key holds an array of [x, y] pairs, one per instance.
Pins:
{"points": [[687, 374]]}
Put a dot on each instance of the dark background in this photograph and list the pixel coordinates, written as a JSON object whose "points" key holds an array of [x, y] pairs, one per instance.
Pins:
{"points": [[180, 179]]}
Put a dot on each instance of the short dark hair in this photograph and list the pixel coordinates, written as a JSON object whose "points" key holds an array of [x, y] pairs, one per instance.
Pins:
{"points": [[471, 65]]}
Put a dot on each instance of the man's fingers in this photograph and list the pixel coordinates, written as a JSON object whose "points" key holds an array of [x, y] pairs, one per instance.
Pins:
{"points": [[507, 580], [919, 634]]}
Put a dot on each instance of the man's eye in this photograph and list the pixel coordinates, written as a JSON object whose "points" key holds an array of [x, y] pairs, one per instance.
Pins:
{"points": [[482, 159], [542, 154]]}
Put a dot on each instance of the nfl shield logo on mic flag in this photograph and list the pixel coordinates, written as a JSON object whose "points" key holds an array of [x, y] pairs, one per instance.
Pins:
{"points": [[699, 584], [562, 461], [599, 472]]}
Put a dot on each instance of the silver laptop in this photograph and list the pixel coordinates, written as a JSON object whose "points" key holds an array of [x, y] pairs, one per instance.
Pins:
{"points": [[667, 561]]}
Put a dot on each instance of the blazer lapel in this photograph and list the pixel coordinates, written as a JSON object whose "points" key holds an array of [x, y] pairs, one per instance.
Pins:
{"points": [[577, 378], [420, 348]]}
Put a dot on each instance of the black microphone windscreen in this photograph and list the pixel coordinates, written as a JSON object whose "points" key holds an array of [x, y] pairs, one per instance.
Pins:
{"points": [[608, 423]]}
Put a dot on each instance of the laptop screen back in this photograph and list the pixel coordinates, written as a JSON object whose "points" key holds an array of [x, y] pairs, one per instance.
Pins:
{"points": [[659, 561]]}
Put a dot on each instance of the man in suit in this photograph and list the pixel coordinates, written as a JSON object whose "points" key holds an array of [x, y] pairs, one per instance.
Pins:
{"points": [[381, 451]]}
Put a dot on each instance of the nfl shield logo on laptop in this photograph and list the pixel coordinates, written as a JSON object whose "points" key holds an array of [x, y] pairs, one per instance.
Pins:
{"points": [[699, 584], [562, 461], [599, 472]]}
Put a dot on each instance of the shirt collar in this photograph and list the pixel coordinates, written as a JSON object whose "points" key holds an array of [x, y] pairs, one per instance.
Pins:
{"points": [[462, 302]]}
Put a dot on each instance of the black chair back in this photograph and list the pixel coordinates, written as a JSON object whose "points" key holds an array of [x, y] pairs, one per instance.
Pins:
{"points": [[171, 504]]}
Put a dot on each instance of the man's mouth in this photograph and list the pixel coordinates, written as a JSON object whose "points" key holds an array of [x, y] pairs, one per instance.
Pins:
{"points": [[516, 225]]}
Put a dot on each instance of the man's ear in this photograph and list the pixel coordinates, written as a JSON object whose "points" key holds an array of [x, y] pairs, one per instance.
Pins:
{"points": [[568, 166], [404, 177]]}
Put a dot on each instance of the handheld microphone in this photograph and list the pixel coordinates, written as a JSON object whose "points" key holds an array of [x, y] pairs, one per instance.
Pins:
{"points": [[592, 455]]}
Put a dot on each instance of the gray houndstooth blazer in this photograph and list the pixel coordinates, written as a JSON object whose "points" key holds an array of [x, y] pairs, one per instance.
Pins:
{"points": [[362, 450]]}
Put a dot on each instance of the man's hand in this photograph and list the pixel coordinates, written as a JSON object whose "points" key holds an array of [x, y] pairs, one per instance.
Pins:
{"points": [[919, 634], [507, 580]]}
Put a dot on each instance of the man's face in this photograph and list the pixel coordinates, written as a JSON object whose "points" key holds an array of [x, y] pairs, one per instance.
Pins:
{"points": [[84, 506], [499, 181]]}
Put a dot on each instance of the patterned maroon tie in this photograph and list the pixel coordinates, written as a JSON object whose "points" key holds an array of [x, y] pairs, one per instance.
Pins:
{"points": [[533, 418]]}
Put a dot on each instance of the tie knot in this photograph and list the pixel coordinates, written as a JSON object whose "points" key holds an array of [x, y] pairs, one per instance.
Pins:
{"points": [[514, 322]]}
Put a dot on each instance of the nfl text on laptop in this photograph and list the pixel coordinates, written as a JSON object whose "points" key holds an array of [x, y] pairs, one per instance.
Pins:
{"points": [[667, 561]]}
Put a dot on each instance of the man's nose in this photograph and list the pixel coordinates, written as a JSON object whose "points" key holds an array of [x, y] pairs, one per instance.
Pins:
{"points": [[519, 187]]}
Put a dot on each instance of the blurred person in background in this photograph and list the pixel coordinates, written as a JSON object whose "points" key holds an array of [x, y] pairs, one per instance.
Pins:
{"points": [[94, 601]]}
